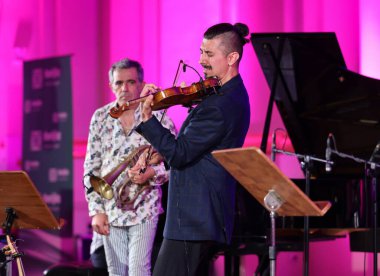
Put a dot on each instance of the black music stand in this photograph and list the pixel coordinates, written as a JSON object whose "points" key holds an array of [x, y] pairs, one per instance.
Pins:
{"points": [[271, 188], [21, 205]]}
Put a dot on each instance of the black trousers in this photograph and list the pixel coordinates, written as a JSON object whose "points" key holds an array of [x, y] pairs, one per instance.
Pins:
{"points": [[185, 258]]}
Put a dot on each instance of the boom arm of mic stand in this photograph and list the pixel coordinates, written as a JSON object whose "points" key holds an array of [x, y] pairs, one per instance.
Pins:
{"points": [[301, 156], [373, 165]]}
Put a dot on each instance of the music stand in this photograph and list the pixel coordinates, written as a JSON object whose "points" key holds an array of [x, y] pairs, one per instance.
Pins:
{"points": [[21, 205], [271, 188]]}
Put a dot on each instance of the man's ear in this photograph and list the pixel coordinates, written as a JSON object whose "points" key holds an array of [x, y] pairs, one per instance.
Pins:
{"points": [[232, 58]]}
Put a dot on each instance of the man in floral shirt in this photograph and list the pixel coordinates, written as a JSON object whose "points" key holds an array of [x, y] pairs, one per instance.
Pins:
{"points": [[128, 230]]}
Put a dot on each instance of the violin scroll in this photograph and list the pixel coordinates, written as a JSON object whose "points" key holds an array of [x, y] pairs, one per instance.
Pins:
{"points": [[116, 111]]}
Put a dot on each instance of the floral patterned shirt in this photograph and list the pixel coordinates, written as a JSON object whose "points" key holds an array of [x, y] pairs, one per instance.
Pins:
{"points": [[108, 145]]}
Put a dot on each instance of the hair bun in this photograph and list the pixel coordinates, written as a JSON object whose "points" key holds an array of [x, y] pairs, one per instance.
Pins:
{"points": [[243, 31]]}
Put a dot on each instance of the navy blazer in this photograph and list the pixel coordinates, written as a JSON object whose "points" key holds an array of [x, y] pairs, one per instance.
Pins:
{"points": [[201, 199]]}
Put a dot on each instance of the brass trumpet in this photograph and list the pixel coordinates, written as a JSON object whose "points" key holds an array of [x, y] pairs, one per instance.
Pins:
{"points": [[103, 185]]}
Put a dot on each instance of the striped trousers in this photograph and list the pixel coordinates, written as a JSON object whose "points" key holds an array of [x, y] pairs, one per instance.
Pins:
{"points": [[128, 249]]}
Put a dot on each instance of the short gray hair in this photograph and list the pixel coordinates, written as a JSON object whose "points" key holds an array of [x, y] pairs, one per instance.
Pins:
{"points": [[126, 64]]}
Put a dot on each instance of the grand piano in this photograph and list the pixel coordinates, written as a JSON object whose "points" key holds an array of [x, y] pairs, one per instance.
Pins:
{"points": [[316, 95]]}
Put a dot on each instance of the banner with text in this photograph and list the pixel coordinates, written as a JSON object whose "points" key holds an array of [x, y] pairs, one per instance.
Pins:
{"points": [[47, 134]]}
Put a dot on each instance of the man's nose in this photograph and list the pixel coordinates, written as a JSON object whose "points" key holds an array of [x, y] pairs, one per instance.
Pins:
{"points": [[200, 59], [125, 86]]}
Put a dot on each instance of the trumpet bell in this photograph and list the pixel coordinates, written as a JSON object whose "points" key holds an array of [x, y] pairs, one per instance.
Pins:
{"points": [[101, 187]]}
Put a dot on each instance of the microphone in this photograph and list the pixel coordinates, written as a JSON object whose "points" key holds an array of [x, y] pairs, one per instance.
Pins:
{"points": [[273, 154], [177, 73], [184, 66], [375, 153], [328, 153]]}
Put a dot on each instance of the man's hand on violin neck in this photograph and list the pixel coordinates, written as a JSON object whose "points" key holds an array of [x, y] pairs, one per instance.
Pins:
{"points": [[147, 108]]}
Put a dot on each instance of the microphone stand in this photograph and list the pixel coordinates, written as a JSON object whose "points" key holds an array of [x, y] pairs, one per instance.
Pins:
{"points": [[306, 164], [374, 171], [374, 183]]}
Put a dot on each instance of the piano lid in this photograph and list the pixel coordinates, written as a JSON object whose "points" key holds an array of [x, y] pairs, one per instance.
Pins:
{"points": [[316, 95]]}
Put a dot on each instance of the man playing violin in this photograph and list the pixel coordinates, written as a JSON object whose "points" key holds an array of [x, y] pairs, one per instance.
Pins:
{"points": [[201, 197], [127, 230]]}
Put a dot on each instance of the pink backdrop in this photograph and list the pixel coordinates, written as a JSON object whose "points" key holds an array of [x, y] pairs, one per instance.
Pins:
{"points": [[159, 34]]}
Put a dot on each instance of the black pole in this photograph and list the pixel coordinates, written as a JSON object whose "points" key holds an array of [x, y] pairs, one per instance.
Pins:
{"points": [[272, 248], [306, 220], [7, 224], [374, 182], [374, 169]]}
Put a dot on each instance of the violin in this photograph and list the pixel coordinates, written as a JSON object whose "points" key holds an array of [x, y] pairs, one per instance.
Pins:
{"points": [[175, 95]]}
